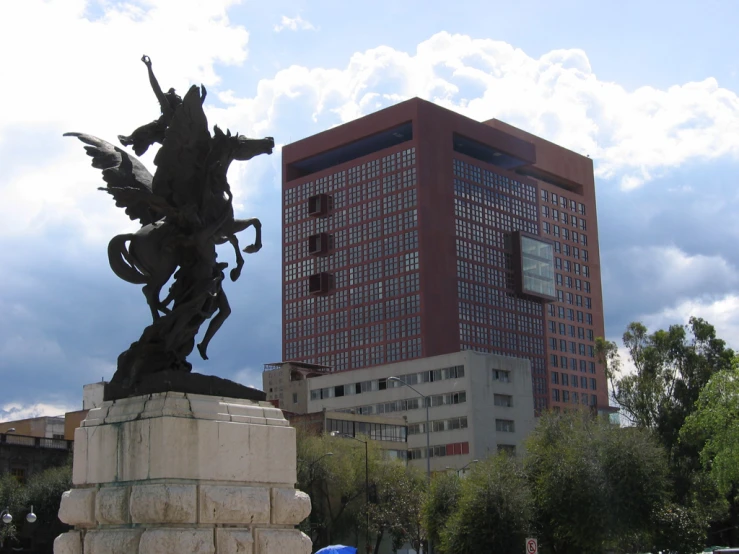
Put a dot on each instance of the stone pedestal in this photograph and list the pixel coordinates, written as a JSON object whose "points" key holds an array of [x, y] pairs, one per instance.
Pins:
{"points": [[184, 473]]}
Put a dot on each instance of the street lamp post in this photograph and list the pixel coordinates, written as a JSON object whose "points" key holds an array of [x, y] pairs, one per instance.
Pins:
{"points": [[7, 519], [428, 437], [460, 470]]}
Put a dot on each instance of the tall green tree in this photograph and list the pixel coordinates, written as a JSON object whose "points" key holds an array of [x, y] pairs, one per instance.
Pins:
{"points": [[671, 368], [399, 492], [440, 504], [715, 425], [331, 471], [593, 483], [494, 510]]}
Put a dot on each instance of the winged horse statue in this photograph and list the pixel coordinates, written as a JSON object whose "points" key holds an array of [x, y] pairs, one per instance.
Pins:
{"points": [[185, 209]]}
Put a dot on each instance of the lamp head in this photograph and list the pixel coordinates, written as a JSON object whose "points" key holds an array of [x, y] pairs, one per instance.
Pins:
{"points": [[31, 517], [7, 518], [394, 379]]}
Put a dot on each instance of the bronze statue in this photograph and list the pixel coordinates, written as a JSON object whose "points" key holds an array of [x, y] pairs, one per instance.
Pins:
{"points": [[185, 210], [148, 134]]}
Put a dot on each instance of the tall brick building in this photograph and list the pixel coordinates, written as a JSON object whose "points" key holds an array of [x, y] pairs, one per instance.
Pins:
{"points": [[416, 231]]}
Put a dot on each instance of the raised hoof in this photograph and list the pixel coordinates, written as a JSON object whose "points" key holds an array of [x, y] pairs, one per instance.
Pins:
{"points": [[201, 349]]}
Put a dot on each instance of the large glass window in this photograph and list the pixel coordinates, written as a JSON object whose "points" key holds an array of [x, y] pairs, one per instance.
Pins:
{"points": [[537, 258]]}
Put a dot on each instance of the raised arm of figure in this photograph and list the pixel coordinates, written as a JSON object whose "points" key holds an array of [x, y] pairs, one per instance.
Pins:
{"points": [[166, 109]]}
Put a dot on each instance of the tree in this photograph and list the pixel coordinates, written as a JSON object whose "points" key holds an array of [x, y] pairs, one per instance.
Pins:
{"points": [[715, 425], [671, 369], [593, 483], [395, 509], [494, 510], [331, 471], [440, 504], [13, 497], [44, 492]]}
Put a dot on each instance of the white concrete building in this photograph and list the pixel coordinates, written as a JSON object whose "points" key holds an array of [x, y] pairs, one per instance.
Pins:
{"points": [[478, 403]]}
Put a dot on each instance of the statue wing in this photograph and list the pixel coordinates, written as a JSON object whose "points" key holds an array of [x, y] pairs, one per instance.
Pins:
{"points": [[181, 161], [129, 182]]}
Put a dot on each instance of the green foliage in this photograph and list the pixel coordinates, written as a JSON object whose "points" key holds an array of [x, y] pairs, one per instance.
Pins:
{"points": [[677, 529], [396, 509], [673, 370], [13, 496], [592, 483], [715, 425], [332, 471], [672, 367], [494, 510], [44, 492], [440, 504]]}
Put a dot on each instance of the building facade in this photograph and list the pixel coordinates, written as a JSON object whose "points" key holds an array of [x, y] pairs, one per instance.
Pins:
{"points": [[389, 433], [416, 232], [478, 403]]}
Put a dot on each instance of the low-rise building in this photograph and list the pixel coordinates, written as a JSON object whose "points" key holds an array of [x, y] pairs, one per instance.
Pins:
{"points": [[390, 433], [478, 404]]}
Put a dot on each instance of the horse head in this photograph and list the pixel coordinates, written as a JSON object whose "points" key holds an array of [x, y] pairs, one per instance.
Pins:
{"points": [[238, 147], [246, 148]]}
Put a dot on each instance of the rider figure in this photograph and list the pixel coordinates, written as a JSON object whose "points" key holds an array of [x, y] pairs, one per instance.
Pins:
{"points": [[148, 134]]}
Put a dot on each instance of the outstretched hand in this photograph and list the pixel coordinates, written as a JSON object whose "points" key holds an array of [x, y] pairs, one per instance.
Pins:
{"points": [[146, 59]]}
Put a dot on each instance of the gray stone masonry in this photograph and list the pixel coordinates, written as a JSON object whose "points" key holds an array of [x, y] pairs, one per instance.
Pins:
{"points": [[175, 473]]}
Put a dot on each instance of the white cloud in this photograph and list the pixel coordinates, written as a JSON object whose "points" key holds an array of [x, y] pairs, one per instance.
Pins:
{"points": [[722, 313], [632, 136], [91, 81], [14, 411], [85, 76], [294, 24], [669, 270]]}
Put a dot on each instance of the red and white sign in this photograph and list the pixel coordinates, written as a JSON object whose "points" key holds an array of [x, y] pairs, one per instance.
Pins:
{"points": [[532, 546]]}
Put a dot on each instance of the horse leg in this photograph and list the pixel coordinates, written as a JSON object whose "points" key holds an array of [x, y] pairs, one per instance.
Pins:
{"points": [[236, 272], [151, 292], [153, 289], [239, 225], [224, 310]]}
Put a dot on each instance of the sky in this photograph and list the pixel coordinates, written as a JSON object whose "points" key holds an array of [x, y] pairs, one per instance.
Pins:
{"points": [[649, 90]]}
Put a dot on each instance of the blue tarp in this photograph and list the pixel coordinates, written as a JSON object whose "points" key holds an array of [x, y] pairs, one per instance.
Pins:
{"points": [[337, 549]]}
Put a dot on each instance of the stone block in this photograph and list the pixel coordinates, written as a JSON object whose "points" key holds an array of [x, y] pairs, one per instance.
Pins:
{"points": [[289, 506], [113, 541], [221, 451], [96, 416], [68, 543], [282, 541], [273, 413], [111, 506], [78, 507], [133, 450], [250, 410], [178, 541], [234, 505], [234, 541], [190, 438], [174, 406], [102, 451], [79, 465], [163, 503]]}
